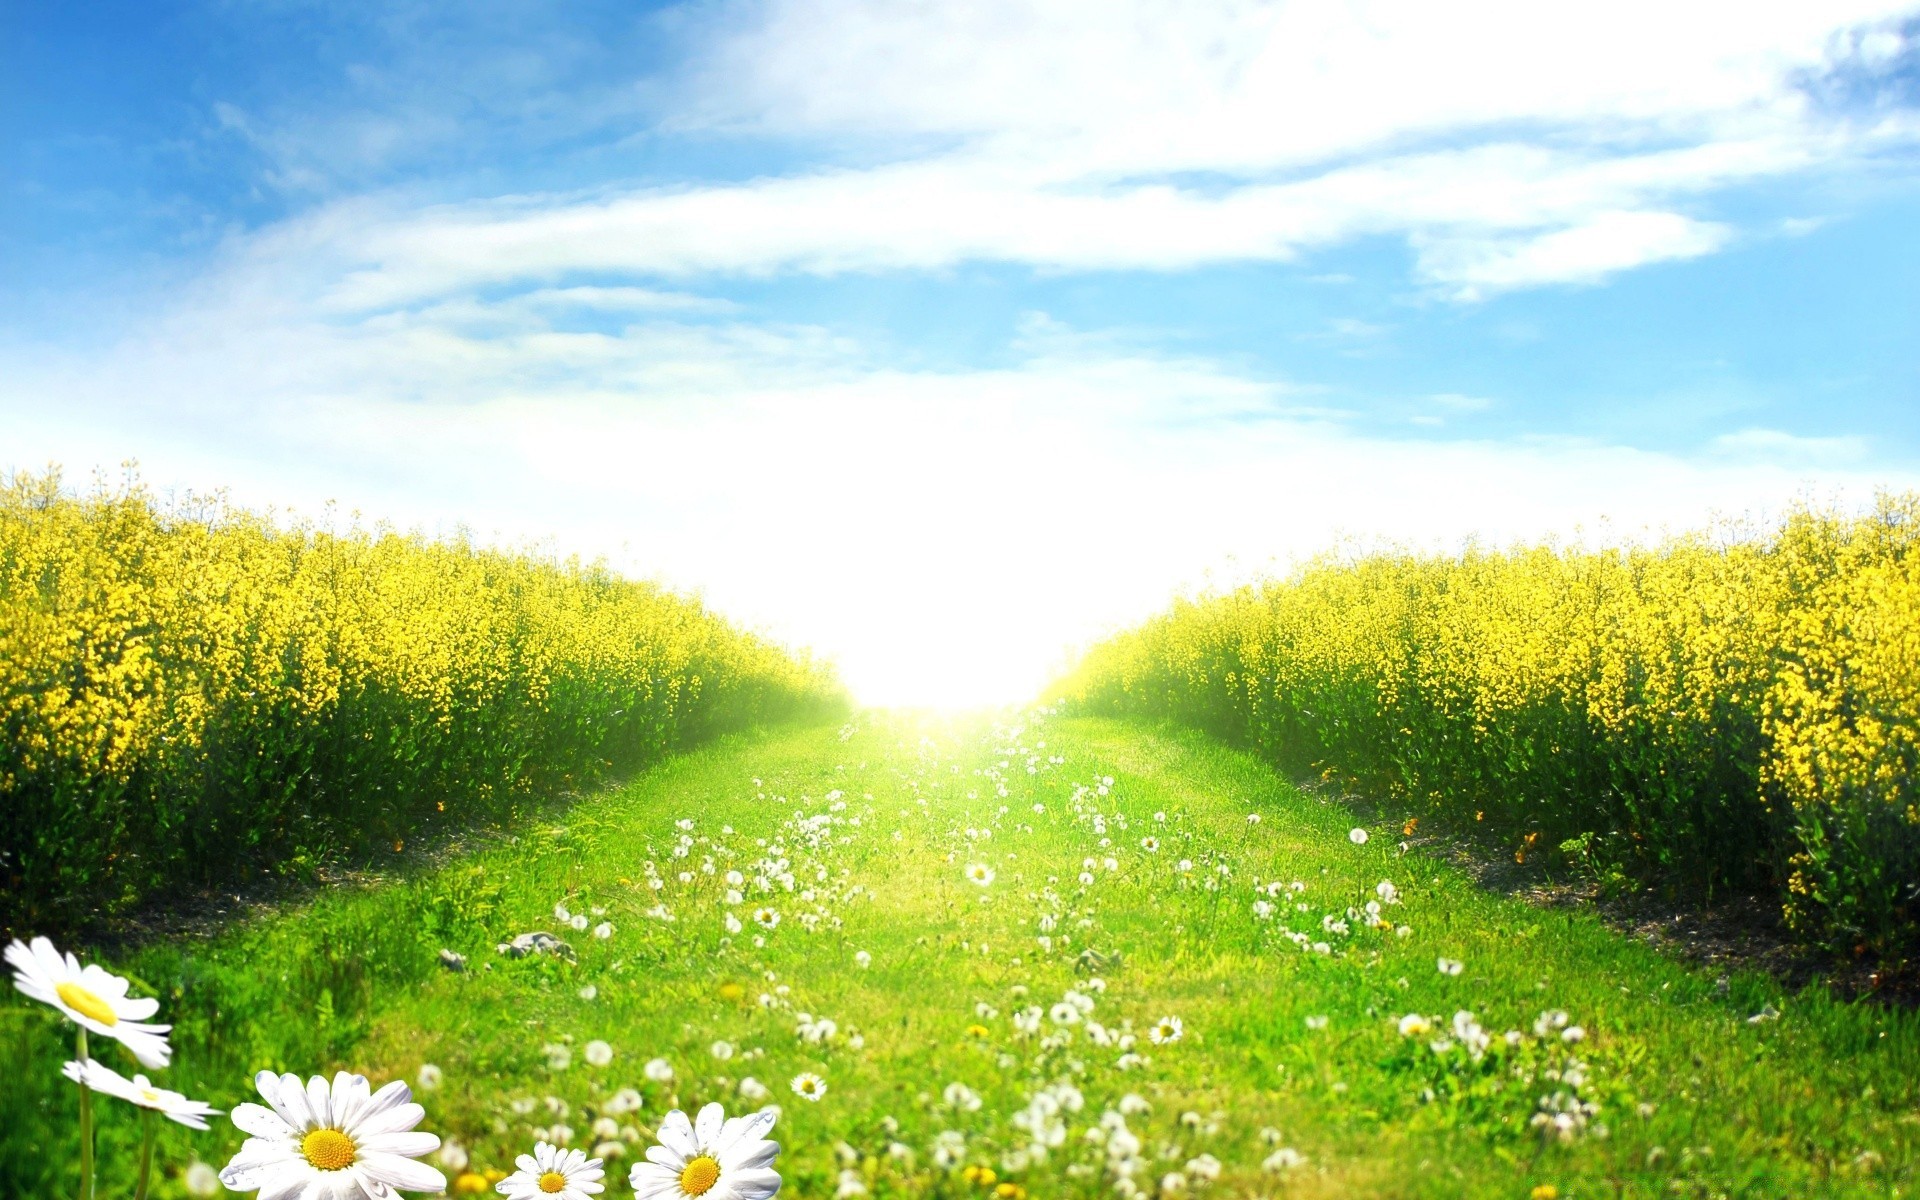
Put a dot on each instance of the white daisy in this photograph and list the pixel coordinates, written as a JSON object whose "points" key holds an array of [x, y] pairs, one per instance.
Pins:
{"points": [[92, 998], [979, 873], [710, 1157], [809, 1086], [766, 918], [1357, 836], [552, 1172], [1166, 1030], [331, 1142], [172, 1105]]}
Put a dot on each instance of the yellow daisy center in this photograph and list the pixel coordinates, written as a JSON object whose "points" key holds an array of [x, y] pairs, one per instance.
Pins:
{"points": [[553, 1181], [327, 1149], [699, 1176], [87, 1004]]}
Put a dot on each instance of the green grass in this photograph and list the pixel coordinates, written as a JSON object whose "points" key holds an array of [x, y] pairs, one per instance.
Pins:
{"points": [[1697, 1100]]}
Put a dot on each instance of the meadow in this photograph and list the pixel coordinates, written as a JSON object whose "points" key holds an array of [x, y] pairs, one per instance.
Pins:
{"points": [[1063, 957], [1729, 714], [193, 695], [1101, 948]]}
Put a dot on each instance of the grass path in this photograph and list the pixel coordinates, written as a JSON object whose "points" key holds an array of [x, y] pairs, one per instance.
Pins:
{"points": [[1037, 994]]}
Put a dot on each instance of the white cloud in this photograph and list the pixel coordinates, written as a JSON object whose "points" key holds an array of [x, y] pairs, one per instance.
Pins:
{"points": [[1791, 450], [1522, 143], [1603, 245], [1500, 215], [1131, 86], [1516, 144]]}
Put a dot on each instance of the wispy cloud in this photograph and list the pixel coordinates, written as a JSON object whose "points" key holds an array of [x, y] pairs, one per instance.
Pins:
{"points": [[1605, 244], [1483, 219], [1791, 450], [1515, 145]]}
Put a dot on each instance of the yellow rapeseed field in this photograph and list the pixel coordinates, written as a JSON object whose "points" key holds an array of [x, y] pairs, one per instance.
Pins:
{"points": [[1715, 712], [188, 697]]}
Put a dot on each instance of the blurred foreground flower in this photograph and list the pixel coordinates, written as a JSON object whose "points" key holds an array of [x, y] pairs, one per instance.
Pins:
{"points": [[91, 998], [172, 1105]]}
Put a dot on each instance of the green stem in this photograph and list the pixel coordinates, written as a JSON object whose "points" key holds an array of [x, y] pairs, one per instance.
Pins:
{"points": [[146, 1153], [86, 1122]]}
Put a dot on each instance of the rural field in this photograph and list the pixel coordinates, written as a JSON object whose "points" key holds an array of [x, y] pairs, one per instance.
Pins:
{"points": [[1054, 957], [985, 600]]}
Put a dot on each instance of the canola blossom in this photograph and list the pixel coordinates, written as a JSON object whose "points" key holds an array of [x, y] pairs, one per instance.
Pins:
{"points": [[1737, 709], [190, 694]]}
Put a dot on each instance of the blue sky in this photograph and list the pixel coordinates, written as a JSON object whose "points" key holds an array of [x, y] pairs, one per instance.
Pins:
{"points": [[943, 338]]}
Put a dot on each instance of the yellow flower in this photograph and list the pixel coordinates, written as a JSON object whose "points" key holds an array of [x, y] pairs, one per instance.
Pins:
{"points": [[133, 639], [1544, 1191], [470, 1183]]}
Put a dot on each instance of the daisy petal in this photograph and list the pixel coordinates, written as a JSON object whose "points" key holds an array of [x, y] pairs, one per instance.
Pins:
{"points": [[259, 1121], [409, 1145], [707, 1126], [754, 1183], [403, 1173], [397, 1119], [676, 1133], [288, 1097]]}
